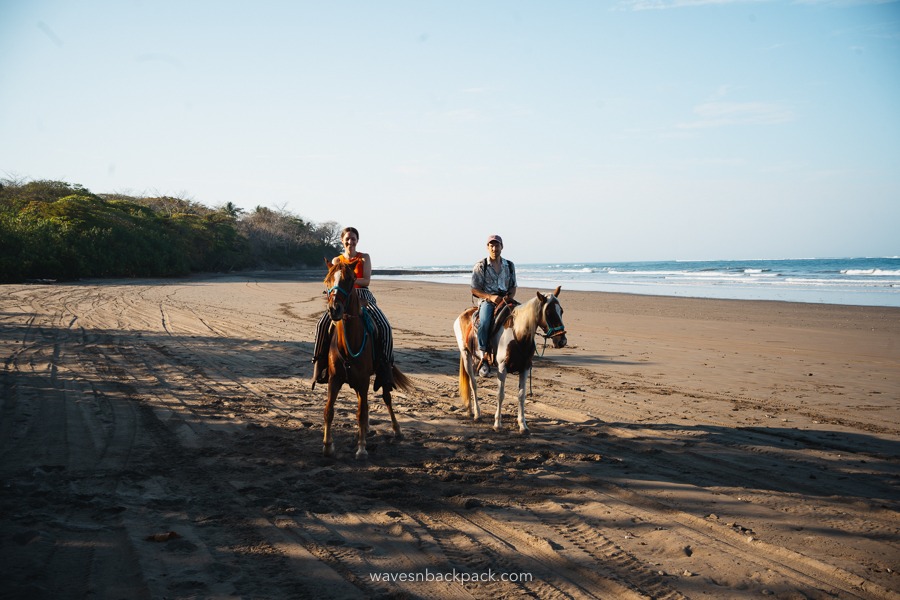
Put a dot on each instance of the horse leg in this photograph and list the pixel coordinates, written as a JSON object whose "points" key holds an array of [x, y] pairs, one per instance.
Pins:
{"points": [[362, 418], [396, 426], [468, 389], [523, 379], [327, 442], [465, 390], [501, 378], [474, 407]]}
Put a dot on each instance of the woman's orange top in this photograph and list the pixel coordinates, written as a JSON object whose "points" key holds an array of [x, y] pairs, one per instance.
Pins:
{"points": [[358, 268]]}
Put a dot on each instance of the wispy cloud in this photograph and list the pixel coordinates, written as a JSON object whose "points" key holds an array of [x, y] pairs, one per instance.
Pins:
{"points": [[846, 2], [637, 5], [159, 57], [463, 115], [51, 35], [723, 114], [715, 162], [414, 168]]}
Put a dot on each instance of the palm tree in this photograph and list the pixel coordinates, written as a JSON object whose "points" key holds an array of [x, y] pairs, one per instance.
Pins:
{"points": [[230, 209]]}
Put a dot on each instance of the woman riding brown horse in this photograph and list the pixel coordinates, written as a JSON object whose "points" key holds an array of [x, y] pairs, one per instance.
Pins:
{"points": [[350, 357], [384, 341]]}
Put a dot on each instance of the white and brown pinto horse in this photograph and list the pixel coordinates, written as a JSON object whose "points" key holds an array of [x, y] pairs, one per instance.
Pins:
{"points": [[515, 347], [350, 355]]}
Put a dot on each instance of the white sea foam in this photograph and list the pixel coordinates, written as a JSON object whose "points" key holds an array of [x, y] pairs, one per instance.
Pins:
{"points": [[646, 273], [867, 281], [876, 272]]}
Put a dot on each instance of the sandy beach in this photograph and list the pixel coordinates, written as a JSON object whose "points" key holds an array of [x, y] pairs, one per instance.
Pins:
{"points": [[159, 439]]}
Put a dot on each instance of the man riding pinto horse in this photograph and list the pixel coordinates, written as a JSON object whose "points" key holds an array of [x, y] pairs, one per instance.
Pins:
{"points": [[501, 332], [494, 283]]}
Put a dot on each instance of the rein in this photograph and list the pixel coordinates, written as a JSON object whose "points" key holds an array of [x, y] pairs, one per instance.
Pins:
{"points": [[367, 324], [551, 333]]}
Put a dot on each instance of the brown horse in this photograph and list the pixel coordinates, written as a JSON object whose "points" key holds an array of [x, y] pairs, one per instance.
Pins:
{"points": [[351, 357], [514, 342]]}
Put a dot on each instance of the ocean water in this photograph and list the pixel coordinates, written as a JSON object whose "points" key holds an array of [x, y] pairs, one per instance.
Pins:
{"points": [[851, 281]]}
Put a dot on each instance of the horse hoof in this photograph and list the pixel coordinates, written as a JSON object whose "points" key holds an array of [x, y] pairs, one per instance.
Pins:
{"points": [[328, 450], [524, 431], [362, 454], [397, 436]]}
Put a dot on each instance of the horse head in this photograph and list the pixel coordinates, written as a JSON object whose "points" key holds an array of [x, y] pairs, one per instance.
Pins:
{"points": [[339, 286], [551, 318]]}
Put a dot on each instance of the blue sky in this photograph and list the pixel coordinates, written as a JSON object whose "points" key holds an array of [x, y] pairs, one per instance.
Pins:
{"points": [[579, 131]]}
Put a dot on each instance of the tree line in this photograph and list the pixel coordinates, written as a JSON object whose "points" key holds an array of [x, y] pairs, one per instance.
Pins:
{"points": [[57, 230]]}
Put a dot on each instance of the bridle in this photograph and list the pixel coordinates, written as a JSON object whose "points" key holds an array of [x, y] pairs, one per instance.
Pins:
{"points": [[550, 332], [330, 292], [337, 288]]}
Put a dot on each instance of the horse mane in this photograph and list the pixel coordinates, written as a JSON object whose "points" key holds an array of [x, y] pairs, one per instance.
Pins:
{"points": [[342, 266], [332, 268], [352, 303], [525, 319], [329, 276]]}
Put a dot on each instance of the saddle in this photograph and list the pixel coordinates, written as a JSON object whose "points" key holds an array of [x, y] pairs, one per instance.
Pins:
{"points": [[502, 313]]}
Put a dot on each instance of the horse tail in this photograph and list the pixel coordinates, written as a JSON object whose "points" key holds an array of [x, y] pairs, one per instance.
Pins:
{"points": [[465, 386], [401, 381]]}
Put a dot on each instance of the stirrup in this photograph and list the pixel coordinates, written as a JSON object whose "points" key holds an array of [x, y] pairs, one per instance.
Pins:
{"points": [[483, 369]]}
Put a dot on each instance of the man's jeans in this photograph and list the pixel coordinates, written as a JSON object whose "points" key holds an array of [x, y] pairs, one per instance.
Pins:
{"points": [[485, 314]]}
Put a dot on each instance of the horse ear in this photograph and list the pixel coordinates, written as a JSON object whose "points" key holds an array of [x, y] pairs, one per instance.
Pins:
{"points": [[557, 291], [541, 297]]}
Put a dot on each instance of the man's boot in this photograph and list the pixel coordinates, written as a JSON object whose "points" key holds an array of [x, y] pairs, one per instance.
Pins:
{"points": [[384, 374], [320, 371], [320, 360], [484, 367]]}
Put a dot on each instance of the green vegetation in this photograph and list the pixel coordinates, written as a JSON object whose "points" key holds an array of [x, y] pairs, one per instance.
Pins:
{"points": [[55, 230]]}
